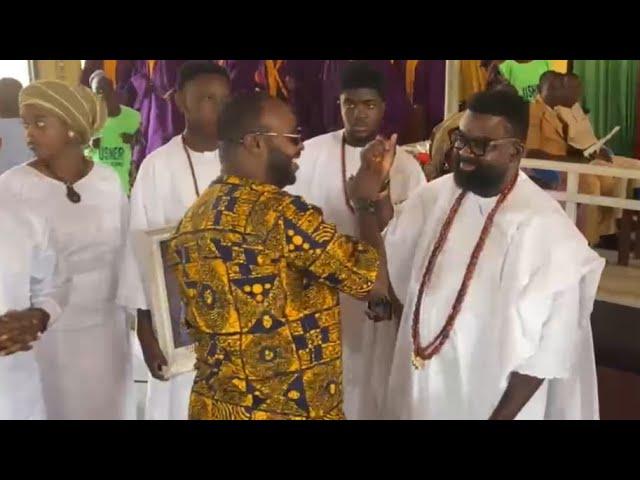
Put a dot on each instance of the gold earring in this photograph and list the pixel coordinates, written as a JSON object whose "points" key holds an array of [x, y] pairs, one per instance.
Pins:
{"points": [[71, 134]]}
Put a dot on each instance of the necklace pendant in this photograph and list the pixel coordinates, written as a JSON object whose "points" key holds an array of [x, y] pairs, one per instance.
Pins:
{"points": [[73, 195], [417, 362]]}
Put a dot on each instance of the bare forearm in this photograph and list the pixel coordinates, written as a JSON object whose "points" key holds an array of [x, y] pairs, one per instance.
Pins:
{"points": [[145, 325], [519, 391], [384, 212], [153, 355]]}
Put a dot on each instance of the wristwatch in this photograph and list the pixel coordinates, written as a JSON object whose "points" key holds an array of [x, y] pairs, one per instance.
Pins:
{"points": [[362, 205]]}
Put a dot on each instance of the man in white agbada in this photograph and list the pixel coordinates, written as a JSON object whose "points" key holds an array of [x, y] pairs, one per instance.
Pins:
{"points": [[168, 182], [513, 339], [325, 166], [33, 292]]}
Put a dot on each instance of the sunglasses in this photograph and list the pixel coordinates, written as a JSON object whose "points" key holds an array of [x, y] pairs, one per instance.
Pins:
{"points": [[296, 138]]}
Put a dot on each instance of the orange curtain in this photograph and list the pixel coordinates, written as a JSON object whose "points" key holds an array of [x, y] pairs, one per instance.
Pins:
{"points": [[560, 65], [152, 65], [274, 82], [410, 78], [473, 79], [109, 67]]}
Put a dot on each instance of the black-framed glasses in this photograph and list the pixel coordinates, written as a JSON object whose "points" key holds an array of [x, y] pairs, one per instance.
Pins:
{"points": [[478, 147]]}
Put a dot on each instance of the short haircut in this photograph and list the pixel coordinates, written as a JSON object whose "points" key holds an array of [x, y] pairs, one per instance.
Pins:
{"points": [[240, 116], [194, 68], [506, 104], [9, 93], [362, 75], [10, 86], [547, 77]]}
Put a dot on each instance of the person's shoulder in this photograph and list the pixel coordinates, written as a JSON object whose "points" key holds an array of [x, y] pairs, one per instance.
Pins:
{"points": [[536, 106], [425, 197], [536, 113], [162, 156], [18, 171], [322, 141], [534, 209], [17, 178], [167, 150], [439, 185], [549, 238], [295, 206], [406, 160], [314, 151]]}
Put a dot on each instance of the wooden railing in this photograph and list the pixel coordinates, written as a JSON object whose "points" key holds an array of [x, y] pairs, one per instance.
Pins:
{"points": [[620, 284], [571, 197]]}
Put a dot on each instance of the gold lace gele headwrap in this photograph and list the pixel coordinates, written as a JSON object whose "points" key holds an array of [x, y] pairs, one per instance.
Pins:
{"points": [[77, 106]]}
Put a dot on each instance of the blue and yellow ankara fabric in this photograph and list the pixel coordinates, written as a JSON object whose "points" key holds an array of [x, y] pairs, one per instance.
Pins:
{"points": [[259, 272]]}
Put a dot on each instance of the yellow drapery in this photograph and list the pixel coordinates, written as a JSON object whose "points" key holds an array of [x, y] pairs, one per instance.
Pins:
{"points": [[473, 79], [109, 68], [273, 77], [410, 78]]}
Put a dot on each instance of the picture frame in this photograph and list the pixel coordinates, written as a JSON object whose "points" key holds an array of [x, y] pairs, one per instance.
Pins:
{"points": [[167, 308]]}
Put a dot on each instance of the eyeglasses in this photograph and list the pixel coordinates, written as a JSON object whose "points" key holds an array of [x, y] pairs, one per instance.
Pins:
{"points": [[296, 138], [478, 147]]}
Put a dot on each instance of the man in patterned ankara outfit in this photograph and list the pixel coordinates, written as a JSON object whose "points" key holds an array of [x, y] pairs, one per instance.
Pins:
{"points": [[260, 273]]}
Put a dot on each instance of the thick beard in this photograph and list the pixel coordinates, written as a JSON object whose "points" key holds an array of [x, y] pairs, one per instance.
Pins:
{"points": [[484, 181], [280, 168]]}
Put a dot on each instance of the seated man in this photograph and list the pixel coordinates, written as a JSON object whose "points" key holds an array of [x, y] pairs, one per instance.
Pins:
{"points": [[560, 130]]}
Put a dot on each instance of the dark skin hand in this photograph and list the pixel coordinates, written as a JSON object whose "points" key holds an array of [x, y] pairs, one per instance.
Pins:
{"points": [[384, 208], [519, 391], [18, 329], [153, 356], [603, 155], [376, 160], [383, 312]]}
